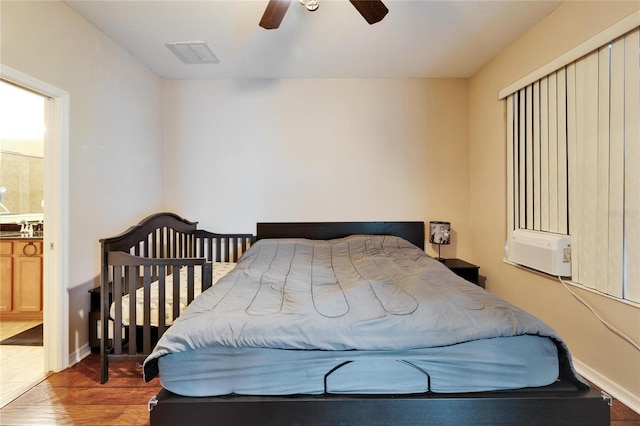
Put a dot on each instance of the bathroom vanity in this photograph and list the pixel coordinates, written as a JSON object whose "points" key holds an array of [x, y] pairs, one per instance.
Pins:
{"points": [[21, 277]]}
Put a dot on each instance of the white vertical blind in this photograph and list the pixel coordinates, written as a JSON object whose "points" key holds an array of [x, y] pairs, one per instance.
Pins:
{"points": [[522, 190], [544, 154], [553, 153], [511, 193], [537, 129], [561, 163], [536, 159], [602, 164], [632, 169], [574, 161], [587, 207], [615, 183], [572, 166], [528, 155]]}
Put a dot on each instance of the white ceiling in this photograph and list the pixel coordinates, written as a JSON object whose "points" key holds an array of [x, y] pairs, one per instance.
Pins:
{"points": [[416, 39]]}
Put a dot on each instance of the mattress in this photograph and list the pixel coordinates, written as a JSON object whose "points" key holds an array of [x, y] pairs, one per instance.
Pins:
{"points": [[368, 295], [220, 269], [481, 365]]}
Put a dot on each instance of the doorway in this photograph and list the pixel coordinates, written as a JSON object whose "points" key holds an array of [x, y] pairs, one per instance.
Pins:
{"points": [[56, 218], [22, 127]]}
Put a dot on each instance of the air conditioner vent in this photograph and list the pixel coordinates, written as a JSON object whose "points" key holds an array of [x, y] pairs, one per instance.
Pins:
{"points": [[193, 52]]}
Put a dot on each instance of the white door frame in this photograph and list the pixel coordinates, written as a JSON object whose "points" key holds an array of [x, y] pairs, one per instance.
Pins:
{"points": [[56, 218]]}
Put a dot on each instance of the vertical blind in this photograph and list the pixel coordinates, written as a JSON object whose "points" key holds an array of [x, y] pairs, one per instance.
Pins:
{"points": [[573, 153]]}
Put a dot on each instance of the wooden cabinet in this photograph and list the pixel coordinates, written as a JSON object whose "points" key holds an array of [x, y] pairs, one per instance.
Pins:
{"points": [[21, 279]]}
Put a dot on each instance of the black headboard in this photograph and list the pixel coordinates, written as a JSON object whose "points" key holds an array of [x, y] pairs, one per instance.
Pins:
{"points": [[410, 231]]}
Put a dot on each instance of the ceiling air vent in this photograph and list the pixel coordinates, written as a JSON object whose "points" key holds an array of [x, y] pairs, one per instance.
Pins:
{"points": [[193, 52]]}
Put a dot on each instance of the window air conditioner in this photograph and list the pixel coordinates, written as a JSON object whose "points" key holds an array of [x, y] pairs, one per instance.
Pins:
{"points": [[543, 251]]}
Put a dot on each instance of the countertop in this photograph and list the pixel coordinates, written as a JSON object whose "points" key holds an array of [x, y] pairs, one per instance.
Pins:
{"points": [[12, 235]]}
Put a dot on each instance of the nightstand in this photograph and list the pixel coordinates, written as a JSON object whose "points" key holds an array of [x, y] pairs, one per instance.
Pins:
{"points": [[466, 270]]}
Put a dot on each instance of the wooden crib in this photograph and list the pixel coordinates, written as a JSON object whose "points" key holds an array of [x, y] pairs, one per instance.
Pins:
{"points": [[144, 258]]}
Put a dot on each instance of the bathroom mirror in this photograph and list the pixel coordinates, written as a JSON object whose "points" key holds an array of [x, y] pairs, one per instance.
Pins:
{"points": [[22, 183], [21, 154]]}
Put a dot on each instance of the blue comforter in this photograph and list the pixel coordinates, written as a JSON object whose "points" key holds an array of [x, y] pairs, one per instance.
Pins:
{"points": [[354, 293]]}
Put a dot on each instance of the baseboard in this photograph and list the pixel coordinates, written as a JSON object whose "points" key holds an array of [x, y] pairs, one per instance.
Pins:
{"points": [[80, 354], [621, 394]]}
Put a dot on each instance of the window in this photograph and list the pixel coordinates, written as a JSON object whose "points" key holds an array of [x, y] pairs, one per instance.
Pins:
{"points": [[574, 161]]}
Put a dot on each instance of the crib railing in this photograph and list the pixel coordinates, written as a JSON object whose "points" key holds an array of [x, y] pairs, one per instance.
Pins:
{"points": [[145, 255]]}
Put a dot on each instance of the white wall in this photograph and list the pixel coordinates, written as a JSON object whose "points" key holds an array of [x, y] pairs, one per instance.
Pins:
{"points": [[242, 151], [115, 146], [236, 152]]}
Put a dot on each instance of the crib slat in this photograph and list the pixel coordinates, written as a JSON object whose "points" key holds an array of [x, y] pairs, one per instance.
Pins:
{"points": [[176, 294], [234, 248], [218, 249], [146, 326], [207, 248], [133, 274], [227, 251], [162, 314], [190, 283], [246, 243], [117, 300], [174, 244], [154, 243], [207, 276], [161, 242]]}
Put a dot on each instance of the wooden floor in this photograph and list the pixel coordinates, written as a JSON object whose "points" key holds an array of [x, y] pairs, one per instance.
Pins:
{"points": [[76, 397]]}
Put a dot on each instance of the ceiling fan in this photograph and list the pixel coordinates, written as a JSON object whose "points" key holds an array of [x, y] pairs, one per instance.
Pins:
{"points": [[371, 10]]}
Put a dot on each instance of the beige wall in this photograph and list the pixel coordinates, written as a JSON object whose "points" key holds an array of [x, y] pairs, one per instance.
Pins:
{"points": [[115, 144], [243, 151], [601, 353]]}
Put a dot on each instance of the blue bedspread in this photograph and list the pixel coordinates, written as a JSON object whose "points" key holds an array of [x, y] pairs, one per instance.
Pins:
{"points": [[353, 293]]}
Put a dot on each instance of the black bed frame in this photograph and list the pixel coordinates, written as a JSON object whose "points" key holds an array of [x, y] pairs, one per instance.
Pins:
{"points": [[557, 404], [410, 231], [553, 405]]}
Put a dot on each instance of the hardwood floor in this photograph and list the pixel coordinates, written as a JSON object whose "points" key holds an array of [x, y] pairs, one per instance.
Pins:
{"points": [[622, 415], [76, 397]]}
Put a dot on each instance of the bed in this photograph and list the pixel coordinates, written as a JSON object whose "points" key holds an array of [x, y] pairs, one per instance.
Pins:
{"points": [[358, 377]]}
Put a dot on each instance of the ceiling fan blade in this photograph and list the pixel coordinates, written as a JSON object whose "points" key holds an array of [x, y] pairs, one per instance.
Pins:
{"points": [[274, 13], [371, 10]]}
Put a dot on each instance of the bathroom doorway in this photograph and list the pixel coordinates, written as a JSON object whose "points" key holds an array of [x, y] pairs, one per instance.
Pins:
{"points": [[56, 217], [22, 185]]}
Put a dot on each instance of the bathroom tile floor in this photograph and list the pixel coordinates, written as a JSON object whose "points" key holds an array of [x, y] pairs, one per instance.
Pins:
{"points": [[21, 367]]}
